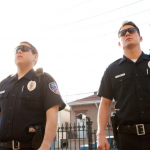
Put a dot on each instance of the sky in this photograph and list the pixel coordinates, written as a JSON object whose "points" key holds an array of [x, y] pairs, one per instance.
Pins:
{"points": [[76, 39]]}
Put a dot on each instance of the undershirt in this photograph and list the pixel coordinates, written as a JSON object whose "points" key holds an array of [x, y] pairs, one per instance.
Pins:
{"points": [[134, 60]]}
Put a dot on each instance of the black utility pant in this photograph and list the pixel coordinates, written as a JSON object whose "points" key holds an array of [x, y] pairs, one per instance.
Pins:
{"points": [[133, 142]]}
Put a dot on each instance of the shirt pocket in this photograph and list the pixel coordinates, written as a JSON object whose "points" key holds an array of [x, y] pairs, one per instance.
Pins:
{"points": [[123, 82], [3, 101], [30, 103]]}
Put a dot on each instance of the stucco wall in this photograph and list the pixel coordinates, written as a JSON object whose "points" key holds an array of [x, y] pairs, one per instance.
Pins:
{"points": [[88, 110], [64, 117]]}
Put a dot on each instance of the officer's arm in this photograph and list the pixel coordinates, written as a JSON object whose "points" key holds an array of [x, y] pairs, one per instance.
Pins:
{"points": [[103, 115], [51, 127]]}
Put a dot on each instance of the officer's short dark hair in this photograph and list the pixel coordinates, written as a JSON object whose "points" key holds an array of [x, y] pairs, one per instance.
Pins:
{"points": [[129, 23], [34, 50]]}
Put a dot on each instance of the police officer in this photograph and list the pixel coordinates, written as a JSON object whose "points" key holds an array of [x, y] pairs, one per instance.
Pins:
{"points": [[27, 102], [127, 81]]}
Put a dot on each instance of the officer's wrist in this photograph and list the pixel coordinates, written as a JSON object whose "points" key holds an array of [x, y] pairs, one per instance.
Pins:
{"points": [[44, 147], [100, 133]]}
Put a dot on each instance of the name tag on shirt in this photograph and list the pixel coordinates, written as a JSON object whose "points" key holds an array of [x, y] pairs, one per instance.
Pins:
{"points": [[120, 75], [1, 92]]}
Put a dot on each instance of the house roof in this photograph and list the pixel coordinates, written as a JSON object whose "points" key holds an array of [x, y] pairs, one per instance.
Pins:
{"points": [[87, 100]]}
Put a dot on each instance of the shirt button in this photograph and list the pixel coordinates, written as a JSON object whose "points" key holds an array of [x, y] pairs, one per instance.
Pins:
{"points": [[13, 95], [138, 86], [28, 96], [8, 121], [7, 135], [10, 107], [17, 84], [141, 99], [136, 74], [142, 112]]}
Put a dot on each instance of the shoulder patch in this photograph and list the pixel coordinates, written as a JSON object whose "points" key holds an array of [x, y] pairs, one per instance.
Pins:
{"points": [[53, 87]]}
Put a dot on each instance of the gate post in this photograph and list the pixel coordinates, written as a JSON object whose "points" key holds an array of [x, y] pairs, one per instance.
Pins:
{"points": [[89, 123], [90, 140]]}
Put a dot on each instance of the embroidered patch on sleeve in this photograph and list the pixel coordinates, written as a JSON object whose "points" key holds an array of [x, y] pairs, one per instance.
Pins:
{"points": [[54, 88]]}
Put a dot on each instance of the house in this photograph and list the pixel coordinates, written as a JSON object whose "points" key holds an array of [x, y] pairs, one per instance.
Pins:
{"points": [[88, 106], [63, 120], [64, 117]]}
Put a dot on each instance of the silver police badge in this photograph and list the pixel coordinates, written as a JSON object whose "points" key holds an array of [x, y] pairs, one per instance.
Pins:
{"points": [[31, 85]]}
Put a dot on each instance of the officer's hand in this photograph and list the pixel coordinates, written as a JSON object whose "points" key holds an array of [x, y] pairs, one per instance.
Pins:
{"points": [[102, 142]]}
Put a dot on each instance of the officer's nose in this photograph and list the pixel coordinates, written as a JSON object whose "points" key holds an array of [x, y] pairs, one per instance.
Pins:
{"points": [[127, 33], [19, 51]]}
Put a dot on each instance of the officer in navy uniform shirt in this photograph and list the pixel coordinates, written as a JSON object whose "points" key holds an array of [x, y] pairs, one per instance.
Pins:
{"points": [[25, 102], [127, 81]]}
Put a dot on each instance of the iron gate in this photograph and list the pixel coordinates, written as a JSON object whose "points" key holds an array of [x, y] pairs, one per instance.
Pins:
{"points": [[79, 138]]}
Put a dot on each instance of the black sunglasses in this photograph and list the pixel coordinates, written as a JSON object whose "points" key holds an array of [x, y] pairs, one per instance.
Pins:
{"points": [[130, 30], [23, 48]]}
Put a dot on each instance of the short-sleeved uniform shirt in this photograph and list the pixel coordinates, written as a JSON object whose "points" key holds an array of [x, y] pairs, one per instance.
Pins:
{"points": [[128, 83], [22, 105]]}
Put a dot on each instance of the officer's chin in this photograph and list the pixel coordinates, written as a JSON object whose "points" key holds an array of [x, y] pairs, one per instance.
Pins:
{"points": [[19, 63]]}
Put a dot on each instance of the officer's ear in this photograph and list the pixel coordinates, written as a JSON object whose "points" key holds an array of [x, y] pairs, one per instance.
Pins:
{"points": [[141, 38], [119, 44], [35, 57]]}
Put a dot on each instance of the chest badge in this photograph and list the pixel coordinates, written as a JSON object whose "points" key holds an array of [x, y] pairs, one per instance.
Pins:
{"points": [[31, 85], [149, 64]]}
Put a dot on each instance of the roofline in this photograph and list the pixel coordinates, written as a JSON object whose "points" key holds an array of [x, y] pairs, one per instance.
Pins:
{"points": [[66, 109], [83, 102], [86, 102]]}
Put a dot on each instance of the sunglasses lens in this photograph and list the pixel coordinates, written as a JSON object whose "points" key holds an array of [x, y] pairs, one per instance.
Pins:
{"points": [[17, 49], [131, 30], [123, 32], [22, 48]]}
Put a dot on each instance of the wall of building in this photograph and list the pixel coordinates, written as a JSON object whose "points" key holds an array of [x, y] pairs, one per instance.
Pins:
{"points": [[65, 117], [89, 110]]}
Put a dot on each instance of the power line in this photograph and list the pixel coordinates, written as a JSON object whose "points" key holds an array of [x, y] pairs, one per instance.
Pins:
{"points": [[109, 33], [111, 20], [96, 15]]}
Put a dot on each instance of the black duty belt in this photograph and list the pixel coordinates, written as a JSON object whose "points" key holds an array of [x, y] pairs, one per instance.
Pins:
{"points": [[139, 129], [15, 145]]}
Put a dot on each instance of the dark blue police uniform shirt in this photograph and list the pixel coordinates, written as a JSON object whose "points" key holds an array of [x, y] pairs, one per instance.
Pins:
{"points": [[21, 108], [128, 83]]}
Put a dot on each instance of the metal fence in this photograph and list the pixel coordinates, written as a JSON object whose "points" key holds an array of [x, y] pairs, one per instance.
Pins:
{"points": [[76, 137]]}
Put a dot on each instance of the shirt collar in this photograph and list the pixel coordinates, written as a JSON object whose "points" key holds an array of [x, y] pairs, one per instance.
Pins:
{"points": [[143, 56], [28, 75]]}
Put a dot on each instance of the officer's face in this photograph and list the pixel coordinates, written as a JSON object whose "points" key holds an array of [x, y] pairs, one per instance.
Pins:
{"points": [[25, 58], [129, 40]]}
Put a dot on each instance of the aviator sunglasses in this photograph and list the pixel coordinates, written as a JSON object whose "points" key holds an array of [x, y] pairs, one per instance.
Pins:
{"points": [[130, 30], [23, 48]]}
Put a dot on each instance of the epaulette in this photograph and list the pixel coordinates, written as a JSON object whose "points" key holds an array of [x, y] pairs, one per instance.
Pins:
{"points": [[6, 80], [10, 75]]}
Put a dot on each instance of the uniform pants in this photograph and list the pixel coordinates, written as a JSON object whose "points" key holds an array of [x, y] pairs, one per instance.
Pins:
{"points": [[133, 142]]}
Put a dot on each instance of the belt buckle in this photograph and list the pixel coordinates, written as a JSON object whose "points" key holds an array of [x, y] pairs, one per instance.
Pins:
{"points": [[140, 129], [14, 146]]}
